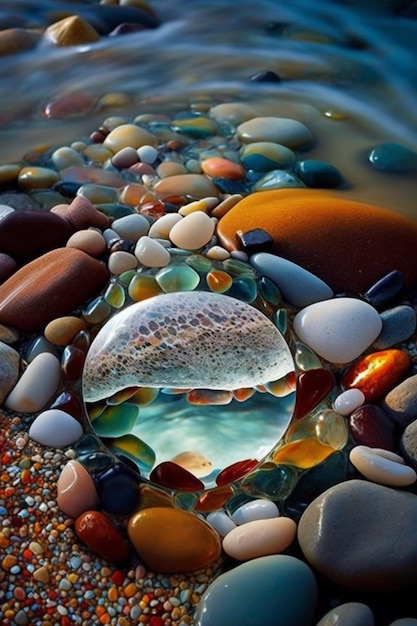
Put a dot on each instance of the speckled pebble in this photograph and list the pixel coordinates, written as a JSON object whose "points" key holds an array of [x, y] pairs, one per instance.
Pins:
{"points": [[349, 614], [398, 325], [9, 369], [401, 403], [36, 386]]}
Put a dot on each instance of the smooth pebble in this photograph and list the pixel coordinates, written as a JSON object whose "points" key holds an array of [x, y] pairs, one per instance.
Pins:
{"points": [[55, 428], [339, 330], [151, 253], [255, 510], [131, 227], [36, 386], [128, 136], [382, 466], [193, 232], [349, 614], [76, 491], [401, 402], [162, 227], [347, 401], [121, 261], [398, 325], [221, 522], [290, 133], [260, 537], [9, 369]]}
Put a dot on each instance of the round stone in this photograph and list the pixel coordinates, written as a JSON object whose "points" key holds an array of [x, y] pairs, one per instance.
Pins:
{"points": [[382, 466], [290, 133], [99, 533], [151, 253], [129, 136], [62, 330], [400, 403], [76, 491], [358, 243], [398, 325], [260, 538], [266, 590], [192, 232], [55, 428], [349, 614], [131, 227], [338, 330], [172, 540], [393, 157], [90, 241]]}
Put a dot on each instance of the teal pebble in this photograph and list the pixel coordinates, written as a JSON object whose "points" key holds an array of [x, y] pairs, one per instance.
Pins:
{"points": [[244, 289], [278, 589], [274, 482], [116, 421], [177, 278], [393, 157], [264, 156], [319, 174], [115, 211]]}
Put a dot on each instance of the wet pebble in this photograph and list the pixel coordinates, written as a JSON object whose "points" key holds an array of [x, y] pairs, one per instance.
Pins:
{"points": [[262, 591], [124, 158], [393, 157], [349, 400], [348, 614], [398, 325], [131, 227], [319, 174], [409, 444], [264, 156], [255, 510], [371, 426], [121, 261], [55, 428], [36, 386], [129, 136], [172, 540], [76, 491], [401, 402], [260, 537], [340, 329], [220, 167], [382, 466], [151, 253], [193, 185], [99, 533], [290, 133], [296, 284], [161, 228], [62, 330], [118, 491], [9, 369], [192, 232], [71, 31], [32, 177], [366, 542], [221, 522]]}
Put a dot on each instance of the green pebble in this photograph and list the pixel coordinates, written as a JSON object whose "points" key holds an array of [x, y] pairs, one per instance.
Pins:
{"points": [[264, 156], [393, 157], [177, 278], [116, 421]]}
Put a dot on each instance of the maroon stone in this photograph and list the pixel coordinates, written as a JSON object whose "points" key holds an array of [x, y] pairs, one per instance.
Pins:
{"points": [[371, 426], [169, 474], [236, 470], [312, 387]]}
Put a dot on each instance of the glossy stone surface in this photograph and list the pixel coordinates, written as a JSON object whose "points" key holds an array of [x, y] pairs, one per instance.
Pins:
{"points": [[36, 386], [266, 590], [236, 470], [343, 229], [99, 533], [118, 490], [259, 538], [376, 373], [382, 466], [169, 474], [55, 428], [195, 346], [172, 540], [349, 614], [76, 492], [312, 387], [370, 426]]}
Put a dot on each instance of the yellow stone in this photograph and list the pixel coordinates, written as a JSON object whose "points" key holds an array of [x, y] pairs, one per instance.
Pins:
{"points": [[303, 454], [71, 31], [62, 330], [37, 178], [172, 540]]}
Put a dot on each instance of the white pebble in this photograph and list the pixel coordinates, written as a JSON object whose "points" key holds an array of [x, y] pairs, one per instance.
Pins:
{"points": [[382, 466], [162, 227], [131, 227], [121, 261], [147, 154], [348, 401], [151, 253], [221, 522], [193, 232], [36, 386], [55, 428], [339, 330], [5, 209], [260, 538], [217, 253], [255, 510]]}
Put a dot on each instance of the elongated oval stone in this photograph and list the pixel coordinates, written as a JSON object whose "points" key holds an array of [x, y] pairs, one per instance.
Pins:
{"points": [[185, 340], [172, 540], [259, 538], [99, 533], [36, 386], [375, 374]]}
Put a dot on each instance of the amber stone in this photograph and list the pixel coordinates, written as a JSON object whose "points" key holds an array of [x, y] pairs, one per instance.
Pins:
{"points": [[171, 540], [48, 287], [312, 387], [169, 474], [99, 533], [377, 373], [303, 454], [318, 229], [213, 499]]}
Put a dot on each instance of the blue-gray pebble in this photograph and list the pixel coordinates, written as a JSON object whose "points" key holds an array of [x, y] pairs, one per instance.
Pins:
{"points": [[393, 157], [398, 324], [277, 589], [349, 614]]}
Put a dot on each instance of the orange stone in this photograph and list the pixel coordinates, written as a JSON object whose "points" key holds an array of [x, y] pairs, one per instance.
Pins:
{"points": [[304, 454], [172, 540], [223, 168], [348, 244]]}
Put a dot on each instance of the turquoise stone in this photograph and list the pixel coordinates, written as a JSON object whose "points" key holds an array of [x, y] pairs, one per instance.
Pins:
{"points": [[117, 420], [199, 262], [393, 157], [177, 278], [96, 462], [281, 320], [278, 179], [277, 589], [135, 449], [88, 443], [269, 291], [188, 340], [237, 268], [271, 481], [264, 156], [114, 210], [126, 277], [244, 289], [319, 174]]}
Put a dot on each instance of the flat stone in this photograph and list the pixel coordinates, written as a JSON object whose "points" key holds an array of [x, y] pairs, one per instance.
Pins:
{"points": [[62, 330], [9, 369], [349, 245], [401, 402], [260, 538], [349, 614], [266, 590], [398, 325], [194, 185], [49, 287], [366, 540]]}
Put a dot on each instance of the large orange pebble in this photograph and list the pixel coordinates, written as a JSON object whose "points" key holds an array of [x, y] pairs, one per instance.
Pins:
{"points": [[223, 168], [377, 373], [99, 533], [350, 245], [172, 540]]}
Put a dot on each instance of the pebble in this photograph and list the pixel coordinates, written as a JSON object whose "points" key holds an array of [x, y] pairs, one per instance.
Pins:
{"points": [[124, 158], [196, 186], [255, 510], [173, 540], [99, 533], [147, 154], [120, 262], [14, 40], [9, 369], [398, 325], [393, 157], [129, 136], [32, 177], [264, 156], [376, 373], [349, 400], [290, 133], [405, 621], [339, 330], [266, 590], [28, 234], [151, 253], [371, 426], [365, 237], [192, 232], [233, 112], [298, 286], [65, 156], [62, 330], [409, 444], [49, 287], [7, 266], [131, 227], [319, 174], [388, 288], [55, 428], [223, 168], [76, 491], [221, 522], [400, 403], [37, 385], [366, 542], [161, 228], [348, 614], [71, 31], [81, 214], [382, 466], [90, 241], [197, 321], [260, 537]]}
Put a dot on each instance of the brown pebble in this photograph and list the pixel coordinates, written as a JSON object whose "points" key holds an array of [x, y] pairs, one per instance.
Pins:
{"points": [[27, 234], [89, 241], [51, 286], [81, 214], [62, 330], [13, 40], [71, 31]]}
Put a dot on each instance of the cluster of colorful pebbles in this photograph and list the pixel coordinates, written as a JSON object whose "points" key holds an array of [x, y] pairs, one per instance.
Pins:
{"points": [[211, 202]]}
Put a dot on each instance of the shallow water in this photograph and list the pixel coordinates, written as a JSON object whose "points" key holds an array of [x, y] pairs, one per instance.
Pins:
{"points": [[352, 58]]}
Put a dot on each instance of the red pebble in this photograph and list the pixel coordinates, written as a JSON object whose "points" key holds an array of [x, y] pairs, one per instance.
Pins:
{"points": [[169, 474], [100, 534], [371, 426], [375, 374], [69, 105], [235, 471], [312, 387]]}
